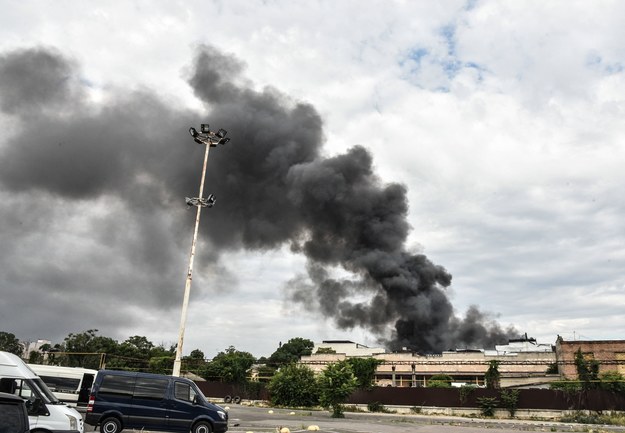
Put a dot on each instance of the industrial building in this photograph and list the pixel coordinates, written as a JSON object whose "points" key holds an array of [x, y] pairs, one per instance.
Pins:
{"points": [[522, 363], [609, 354]]}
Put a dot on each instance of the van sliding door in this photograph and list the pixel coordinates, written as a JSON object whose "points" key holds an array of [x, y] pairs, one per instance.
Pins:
{"points": [[149, 406]]}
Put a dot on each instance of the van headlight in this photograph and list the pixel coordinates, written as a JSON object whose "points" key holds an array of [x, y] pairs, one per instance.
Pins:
{"points": [[222, 415], [73, 422]]}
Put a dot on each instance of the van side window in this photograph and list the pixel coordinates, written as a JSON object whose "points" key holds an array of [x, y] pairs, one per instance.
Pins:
{"points": [[8, 385], [184, 392], [118, 385], [61, 384], [23, 390], [151, 388]]}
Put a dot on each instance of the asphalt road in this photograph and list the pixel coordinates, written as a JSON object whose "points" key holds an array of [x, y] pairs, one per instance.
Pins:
{"points": [[259, 420], [251, 419]]}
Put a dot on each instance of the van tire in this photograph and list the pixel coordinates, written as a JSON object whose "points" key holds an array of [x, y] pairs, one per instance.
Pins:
{"points": [[202, 427], [110, 425]]}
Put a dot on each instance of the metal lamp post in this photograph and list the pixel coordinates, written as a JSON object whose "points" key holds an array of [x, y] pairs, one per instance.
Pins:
{"points": [[209, 139]]}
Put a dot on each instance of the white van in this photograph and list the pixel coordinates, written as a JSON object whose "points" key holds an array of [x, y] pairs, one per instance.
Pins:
{"points": [[45, 411], [71, 385]]}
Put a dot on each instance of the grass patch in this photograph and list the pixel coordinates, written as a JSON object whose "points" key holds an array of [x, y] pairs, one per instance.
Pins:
{"points": [[378, 407], [352, 408], [595, 418], [416, 410]]}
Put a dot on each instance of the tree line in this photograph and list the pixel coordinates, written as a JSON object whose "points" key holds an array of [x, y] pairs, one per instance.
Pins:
{"points": [[88, 349], [289, 383]]}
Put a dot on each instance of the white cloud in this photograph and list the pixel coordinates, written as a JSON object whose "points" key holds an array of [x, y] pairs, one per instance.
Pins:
{"points": [[504, 120]]}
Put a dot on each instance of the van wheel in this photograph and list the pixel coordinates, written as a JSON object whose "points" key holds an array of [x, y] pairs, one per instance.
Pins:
{"points": [[110, 425], [202, 427]]}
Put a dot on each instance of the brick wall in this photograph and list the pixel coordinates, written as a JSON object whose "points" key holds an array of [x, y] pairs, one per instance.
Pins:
{"points": [[610, 354]]}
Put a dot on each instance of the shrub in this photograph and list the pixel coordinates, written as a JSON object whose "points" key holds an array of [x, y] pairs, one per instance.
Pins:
{"points": [[294, 385], [376, 406], [492, 375], [440, 381], [464, 392], [566, 385], [612, 381], [487, 405], [510, 400], [335, 384]]}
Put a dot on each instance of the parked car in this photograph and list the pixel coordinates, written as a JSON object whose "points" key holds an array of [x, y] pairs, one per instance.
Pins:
{"points": [[13, 415], [121, 399]]}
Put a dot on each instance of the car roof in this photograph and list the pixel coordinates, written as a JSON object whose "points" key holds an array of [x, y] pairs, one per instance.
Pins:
{"points": [[140, 374], [12, 398]]}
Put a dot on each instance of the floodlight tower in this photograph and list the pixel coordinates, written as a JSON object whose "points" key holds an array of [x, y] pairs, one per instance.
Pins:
{"points": [[209, 139]]}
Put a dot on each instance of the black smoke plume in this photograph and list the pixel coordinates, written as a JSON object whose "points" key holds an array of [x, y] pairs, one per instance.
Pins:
{"points": [[273, 184]]}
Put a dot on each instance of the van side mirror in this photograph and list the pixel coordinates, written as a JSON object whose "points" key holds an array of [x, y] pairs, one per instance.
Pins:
{"points": [[196, 399], [33, 405]]}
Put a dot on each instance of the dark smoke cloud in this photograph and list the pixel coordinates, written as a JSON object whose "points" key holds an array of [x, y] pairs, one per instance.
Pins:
{"points": [[273, 187]]}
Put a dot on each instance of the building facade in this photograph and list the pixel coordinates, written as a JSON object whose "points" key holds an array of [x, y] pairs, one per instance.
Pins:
{"points": [[522, 363], [609, 354]]}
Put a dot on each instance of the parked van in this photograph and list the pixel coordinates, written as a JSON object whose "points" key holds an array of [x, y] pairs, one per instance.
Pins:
{"points": [[45, 411], [121, 399], [71, 385], [13, 415]]}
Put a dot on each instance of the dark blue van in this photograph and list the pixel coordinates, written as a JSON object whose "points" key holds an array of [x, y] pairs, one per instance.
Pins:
{"points": [[121, 399]]}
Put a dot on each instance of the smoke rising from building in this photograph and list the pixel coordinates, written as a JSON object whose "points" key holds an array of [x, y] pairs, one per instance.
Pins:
{"points": [[273, 184]]}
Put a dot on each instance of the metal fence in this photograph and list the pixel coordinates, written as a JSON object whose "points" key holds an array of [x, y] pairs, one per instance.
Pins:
{"points": [[594, 400]]}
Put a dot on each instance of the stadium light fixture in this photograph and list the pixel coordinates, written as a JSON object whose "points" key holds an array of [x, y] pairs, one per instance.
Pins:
{"points": [[209, 139]]}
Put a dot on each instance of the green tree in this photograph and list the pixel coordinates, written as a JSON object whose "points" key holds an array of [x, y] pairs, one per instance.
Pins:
{"points": [[266, 373], [552, 368], [587, 370], [291, 351], [136, 347], [35, 357], [161, 364], [229, 366], [132, 354], [492, 375], [9, 343], [364, 370], [440, 381], [52, 351], [336, 383], [510, 400], [196, 354], [195, 362], [613, 381], [162, 359], [294, 385], [325, 350], [84, 349]]}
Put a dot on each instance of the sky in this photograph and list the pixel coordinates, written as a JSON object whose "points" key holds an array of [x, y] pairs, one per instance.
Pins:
{"points": [[400, 173]]}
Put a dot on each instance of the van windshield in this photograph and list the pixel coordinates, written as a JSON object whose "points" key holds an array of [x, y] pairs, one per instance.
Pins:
{"points": [[40, 388]]}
